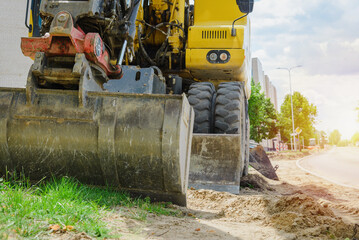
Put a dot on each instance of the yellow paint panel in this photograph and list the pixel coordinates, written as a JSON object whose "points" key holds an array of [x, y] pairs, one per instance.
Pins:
{"points": [[197, 58], [215, 37], [201, 69], [215, 12]]}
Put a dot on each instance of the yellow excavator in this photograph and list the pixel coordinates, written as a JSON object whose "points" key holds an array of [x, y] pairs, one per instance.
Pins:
{"points": [[146, 96]]}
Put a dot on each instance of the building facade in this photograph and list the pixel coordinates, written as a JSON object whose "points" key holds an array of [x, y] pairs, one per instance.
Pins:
{"points": [[267, 87], [270, 92]]}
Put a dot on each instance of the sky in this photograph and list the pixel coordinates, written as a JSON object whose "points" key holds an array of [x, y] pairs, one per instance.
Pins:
{"points": [[323, 37]]}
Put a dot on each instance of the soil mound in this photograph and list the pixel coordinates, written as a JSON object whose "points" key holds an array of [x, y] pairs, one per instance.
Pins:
{"points": [[256, 182], [304, 216], [298, 214]]}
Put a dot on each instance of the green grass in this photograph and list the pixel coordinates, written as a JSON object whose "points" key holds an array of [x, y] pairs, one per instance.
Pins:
{"points": [[28, 210]]}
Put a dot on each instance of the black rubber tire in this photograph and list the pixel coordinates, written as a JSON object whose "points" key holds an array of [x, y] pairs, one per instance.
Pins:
{"points": [[200, 96], [229, 106]]}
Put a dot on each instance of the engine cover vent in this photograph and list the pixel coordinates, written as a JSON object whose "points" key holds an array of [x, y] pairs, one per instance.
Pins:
{"points": [[217, 34]]}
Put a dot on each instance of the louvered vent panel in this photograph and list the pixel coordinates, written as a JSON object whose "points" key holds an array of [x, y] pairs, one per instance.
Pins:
{"points": [[214, 34]]}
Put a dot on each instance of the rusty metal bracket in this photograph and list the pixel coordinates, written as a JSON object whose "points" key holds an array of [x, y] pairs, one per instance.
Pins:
{"points": [[66, 40]]}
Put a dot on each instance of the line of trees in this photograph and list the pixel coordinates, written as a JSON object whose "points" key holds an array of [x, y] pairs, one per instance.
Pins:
{"points": [[266, 122], [355, 139], [335, 139]]}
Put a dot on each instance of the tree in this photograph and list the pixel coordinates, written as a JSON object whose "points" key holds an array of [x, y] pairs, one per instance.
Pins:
{"points": [[262, 115], [355, 138], [304, 117], [343, 143], [334, 137]]}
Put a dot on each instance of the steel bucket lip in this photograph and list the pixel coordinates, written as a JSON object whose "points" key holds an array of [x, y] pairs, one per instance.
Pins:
{"points": [[9, 89], [95, 94], [135, 95]]}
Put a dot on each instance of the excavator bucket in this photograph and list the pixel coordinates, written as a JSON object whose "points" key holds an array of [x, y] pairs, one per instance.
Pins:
{"points": [[103, 124], [216, 162], [136, 142]]}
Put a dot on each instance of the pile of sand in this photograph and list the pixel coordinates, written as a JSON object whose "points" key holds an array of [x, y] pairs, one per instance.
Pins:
{"points": [[304, 216], [298, 214]]}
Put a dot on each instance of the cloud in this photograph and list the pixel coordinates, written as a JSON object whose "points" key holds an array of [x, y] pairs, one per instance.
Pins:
{"points": [[319, 99], [324, 48], [352, 45], [318, 34], [268, 17], [336, 97]]}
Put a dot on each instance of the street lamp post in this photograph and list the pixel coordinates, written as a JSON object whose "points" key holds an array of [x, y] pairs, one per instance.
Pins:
{"points": [[291, 102]]}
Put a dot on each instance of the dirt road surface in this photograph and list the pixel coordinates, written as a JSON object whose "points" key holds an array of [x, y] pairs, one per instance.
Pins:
{"points": [[340, 165], [299, 206]]}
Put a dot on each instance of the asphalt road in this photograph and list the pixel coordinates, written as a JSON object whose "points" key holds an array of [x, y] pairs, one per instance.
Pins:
{"points": [[339, 165], [14, 66]]}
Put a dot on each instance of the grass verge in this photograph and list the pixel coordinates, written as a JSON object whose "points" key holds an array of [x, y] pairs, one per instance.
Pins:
{"points": [[28, 211]]}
